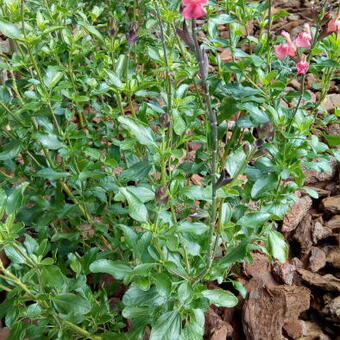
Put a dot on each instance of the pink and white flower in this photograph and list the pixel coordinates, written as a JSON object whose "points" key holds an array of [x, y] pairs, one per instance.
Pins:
{"points": [[302, 66], [304, 39], [285, 50], [334, 25]]}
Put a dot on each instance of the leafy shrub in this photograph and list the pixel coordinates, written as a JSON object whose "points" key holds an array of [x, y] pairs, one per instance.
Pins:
{"points": [[109, 163]]}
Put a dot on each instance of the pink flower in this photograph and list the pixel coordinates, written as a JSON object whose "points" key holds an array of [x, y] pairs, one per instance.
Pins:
{"points": [[302, 66], [334, 25], [194, 8], [304, 39], [286, 49]]}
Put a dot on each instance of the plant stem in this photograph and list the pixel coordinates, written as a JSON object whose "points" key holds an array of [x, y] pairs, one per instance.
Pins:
{"points": [[270, 21], [168, 79], [213, 124]]}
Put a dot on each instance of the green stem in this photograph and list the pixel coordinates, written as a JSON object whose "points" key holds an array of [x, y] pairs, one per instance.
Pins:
{"points": [[214, 143], [168, 79]]}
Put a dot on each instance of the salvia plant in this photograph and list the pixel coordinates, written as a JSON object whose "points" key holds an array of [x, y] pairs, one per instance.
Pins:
{"points": [[136, 165]]}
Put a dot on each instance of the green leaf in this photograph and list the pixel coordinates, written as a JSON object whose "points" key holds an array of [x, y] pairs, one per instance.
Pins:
{"points": [[10, 151], [254, 219], [51, 174], [311, 192], [15, 199], [278, 247], [228, 108], [239, 286], [220, 298], [262, 185], [50, 141], [52, 76], [143, 194], [167, 327], [332, 140], [235, 162], [113, 79], [236, 254], [52, 277], [142, 133], [197, 193], [71, 303], [92, 30], [10, 30], [135, 296], [137, 210], [256, 114], [3, 201], [136, 172], [197, 228], [134, 312], [118, 270], [179, 123]]}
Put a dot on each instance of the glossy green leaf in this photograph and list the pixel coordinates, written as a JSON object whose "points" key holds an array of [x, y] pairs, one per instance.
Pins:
{"points": [[10, 30], [197, 228], [10, 151], [15, 199], [52, 76], [71, 303], [167, 327], [277, 245], [50, 141], [118, 270], [235, 162], [140, 132], [220, 298]]}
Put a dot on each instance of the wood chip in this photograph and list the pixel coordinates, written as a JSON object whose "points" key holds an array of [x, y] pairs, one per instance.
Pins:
{"points": [[332, 310], [267, 309], [303, 234], [332, 204], [216, 328], [334, 222], [296, 213], [319, 231], [331, 101], [327, 282], [317, 259], [284, 272], [311, 331]]}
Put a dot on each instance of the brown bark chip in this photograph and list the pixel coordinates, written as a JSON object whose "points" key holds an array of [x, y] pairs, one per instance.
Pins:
{"points": [[296, 213], [311, 331], [313, 176], [333, 256], [283, 272], [267, 310], [327, 282], [260, 270], [317, 259], [332, 204], [303, 233], [334, 222], [319, 231], [216, 328], [332, 310]]}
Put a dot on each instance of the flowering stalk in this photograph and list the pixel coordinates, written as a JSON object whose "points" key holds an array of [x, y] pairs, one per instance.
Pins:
{"points": [[213, 124], [168, 79]]}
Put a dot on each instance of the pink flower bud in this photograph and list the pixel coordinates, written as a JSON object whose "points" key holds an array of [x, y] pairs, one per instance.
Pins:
{"points": [[194, 8], [302, 66]]}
